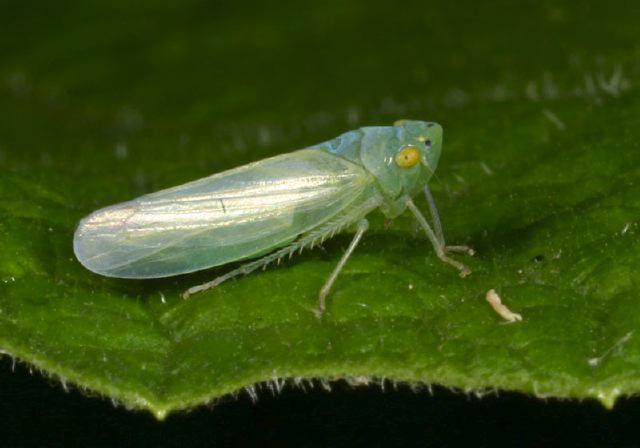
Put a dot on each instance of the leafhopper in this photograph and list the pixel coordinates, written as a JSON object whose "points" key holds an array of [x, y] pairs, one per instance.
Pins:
{"points": [[270, 209]]}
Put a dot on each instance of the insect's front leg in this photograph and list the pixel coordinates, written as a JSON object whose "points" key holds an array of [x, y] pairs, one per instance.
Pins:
{"points": [[438, 243]]}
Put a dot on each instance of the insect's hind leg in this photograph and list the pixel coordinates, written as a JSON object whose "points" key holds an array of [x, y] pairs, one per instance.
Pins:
{"points": [[244, 269]]}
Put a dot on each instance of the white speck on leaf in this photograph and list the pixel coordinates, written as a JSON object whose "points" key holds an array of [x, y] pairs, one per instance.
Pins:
{"points": [[121, 151], [626, 228], [488, 171], [496, 303], [531, 91], [553, 118], [616, 84], [459, 178]]}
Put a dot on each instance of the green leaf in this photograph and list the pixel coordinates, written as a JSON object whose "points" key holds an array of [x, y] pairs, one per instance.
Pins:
{"points": [[540, 174]]}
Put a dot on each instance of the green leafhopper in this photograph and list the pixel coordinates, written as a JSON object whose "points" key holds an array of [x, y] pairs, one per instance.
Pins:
{"points": [[270, 208]]}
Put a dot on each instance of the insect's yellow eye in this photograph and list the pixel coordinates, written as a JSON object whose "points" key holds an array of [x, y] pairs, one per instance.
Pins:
{"points": [[407, 157]]}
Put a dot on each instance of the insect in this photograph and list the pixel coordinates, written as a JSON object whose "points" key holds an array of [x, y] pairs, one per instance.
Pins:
{"points": [[267, 210]]}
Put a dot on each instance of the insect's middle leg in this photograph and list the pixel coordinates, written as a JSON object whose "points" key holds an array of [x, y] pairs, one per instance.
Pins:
{"points": [[328, 229], [363, 225]]}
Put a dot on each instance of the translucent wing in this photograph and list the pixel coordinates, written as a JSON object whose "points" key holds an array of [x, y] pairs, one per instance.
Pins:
{"points": [[240, 213]]}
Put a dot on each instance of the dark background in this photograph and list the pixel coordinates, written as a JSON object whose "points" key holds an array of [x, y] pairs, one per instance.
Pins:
{"points": [[38, 412]]}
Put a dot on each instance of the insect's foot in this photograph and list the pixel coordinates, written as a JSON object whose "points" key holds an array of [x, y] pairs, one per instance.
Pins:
{"points": [[194, 290], [467, 250], [462, 269], [318, 312], [199, 288]]}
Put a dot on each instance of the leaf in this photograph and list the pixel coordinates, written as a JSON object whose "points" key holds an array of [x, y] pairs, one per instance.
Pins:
{"points": [[540, 174]]}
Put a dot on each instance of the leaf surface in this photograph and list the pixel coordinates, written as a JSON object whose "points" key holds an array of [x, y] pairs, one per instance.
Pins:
{"points": [[540, 173]]}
